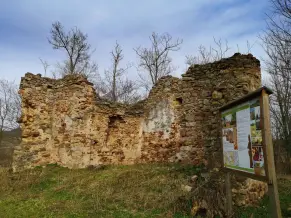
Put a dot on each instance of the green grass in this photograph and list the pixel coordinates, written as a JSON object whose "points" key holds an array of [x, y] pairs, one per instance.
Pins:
{"points": [[149, 190]]}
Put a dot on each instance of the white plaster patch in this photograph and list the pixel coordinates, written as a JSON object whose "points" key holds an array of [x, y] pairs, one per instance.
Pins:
{"points": [[68, 122], [160, 119]]}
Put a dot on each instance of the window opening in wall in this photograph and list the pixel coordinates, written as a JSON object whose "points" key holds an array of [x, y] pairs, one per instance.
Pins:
{"points": [[113, 119], [179, 100]]}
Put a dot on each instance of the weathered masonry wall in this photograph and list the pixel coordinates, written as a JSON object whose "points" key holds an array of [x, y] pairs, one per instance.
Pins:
{"points": [[205, 88], [64, 122]]}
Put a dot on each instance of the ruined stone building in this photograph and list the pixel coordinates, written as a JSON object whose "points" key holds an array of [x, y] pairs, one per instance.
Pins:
{"points": [[64, 122]]}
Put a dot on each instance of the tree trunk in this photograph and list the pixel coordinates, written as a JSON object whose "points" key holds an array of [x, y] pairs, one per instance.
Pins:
{"points": [[114, 98]]}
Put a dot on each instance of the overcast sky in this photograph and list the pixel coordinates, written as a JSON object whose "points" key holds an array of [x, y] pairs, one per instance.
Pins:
{"points": [[25, 25]]}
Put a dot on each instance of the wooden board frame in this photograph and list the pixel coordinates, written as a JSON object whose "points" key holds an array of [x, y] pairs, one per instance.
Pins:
{"points": [[269, 165]]}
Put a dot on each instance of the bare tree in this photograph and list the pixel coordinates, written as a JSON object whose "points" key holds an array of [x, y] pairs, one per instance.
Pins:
{"points": [[9, 107], [249, 46], [155, 61], [114, 85], [78, 51], [276, 42], [212, 54], [215, 53], [45, 65]]}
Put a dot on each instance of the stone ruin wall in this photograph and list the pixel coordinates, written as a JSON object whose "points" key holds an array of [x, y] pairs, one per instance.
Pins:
{"points": [[64, 122], [205, 89]]}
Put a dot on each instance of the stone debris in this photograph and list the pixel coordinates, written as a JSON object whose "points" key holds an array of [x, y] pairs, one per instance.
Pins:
{"points": [[186, 188], [194, 178]]}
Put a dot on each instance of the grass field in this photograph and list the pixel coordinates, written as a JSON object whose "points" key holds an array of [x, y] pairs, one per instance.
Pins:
{"points": [[117, 191], [151, 190]]}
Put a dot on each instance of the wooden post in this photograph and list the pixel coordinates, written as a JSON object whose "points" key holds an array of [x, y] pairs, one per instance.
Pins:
{"points": [[228, 195], [271, 172]]}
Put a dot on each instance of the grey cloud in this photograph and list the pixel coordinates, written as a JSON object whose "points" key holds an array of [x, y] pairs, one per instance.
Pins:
{"points": [[128, 21]]}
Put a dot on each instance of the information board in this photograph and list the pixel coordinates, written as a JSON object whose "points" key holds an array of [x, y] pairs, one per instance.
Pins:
{"points": [[247, 145], [242, 138]]}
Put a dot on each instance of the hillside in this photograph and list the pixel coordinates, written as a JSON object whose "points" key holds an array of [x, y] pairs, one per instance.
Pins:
{"points": [[151, 190]]}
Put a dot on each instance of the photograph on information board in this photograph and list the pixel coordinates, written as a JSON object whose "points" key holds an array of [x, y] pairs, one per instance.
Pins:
{"points": [[242, 138]]}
